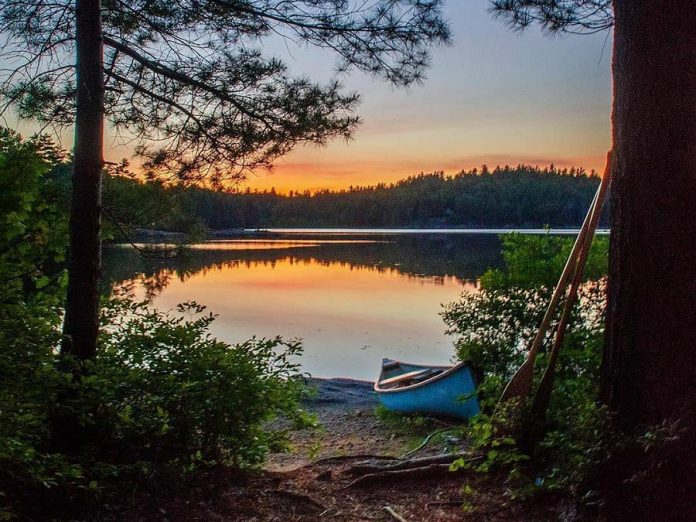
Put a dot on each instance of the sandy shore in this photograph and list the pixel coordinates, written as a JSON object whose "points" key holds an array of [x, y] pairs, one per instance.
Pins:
{"points": [[345, 410]]}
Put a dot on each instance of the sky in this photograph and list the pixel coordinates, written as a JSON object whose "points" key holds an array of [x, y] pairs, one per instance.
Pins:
{"points": [[493, 97]]}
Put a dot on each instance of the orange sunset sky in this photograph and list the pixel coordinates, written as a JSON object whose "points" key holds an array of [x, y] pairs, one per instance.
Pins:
{"points": [[494, 96]]}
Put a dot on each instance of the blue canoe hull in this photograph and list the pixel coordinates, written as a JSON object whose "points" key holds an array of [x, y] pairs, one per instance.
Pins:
{"points": [[451, 393]]}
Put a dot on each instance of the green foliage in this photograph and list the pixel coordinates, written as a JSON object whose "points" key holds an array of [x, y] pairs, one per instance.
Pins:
{"points": [[494, 327], [167, 391], [162, 397], [534, 263], [33, 224], [33, 228], [130, 205], [501, 450]]}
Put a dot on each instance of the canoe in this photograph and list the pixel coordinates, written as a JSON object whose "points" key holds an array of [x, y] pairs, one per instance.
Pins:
{"points": [[433, 390]]}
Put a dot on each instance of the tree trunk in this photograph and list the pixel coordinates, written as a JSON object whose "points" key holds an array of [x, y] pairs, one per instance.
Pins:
{"points": [[649, 368], [84, 263]]}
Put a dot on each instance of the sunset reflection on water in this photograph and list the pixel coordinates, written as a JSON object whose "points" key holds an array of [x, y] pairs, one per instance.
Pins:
{"points": [[349, 301]]}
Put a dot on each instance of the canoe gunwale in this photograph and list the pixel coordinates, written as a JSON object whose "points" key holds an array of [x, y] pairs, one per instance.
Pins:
{"points": [[448, 370]]}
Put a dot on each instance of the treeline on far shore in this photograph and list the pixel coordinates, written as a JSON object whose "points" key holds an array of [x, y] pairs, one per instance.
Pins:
{"points": [[522, 197]]}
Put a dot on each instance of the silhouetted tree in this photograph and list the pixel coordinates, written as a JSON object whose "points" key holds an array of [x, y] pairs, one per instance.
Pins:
{"points": [[520, 197], [184, 79]]}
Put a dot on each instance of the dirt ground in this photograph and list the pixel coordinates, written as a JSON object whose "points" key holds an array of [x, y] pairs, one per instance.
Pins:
{"points": [[312, 482], [347, 425]]}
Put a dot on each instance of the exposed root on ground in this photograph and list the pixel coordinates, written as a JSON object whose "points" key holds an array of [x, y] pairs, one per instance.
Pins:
{"points": [[431, 471], [394, 514], [367, 468], [339, 458]]}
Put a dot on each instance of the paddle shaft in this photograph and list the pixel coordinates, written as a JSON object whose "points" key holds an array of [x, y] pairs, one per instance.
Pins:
{"points": [[543, 395], [520, 384]]}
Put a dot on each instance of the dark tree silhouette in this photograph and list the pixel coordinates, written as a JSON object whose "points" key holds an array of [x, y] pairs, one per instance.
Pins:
{"points": [[503, 197], [569, 16], [185, 80]]}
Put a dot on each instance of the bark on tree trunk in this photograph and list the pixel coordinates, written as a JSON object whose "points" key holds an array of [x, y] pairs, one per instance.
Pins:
{"points": [[84, 263], [649, 368]]}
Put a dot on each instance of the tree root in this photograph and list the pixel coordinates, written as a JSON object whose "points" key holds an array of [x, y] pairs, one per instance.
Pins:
{"points": [[433, 470], [394, 514], [339, 458], [365, 468]]}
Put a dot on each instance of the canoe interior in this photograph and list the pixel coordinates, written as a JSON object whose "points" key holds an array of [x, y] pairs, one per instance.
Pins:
{"points": [[391, 369], [432, 390]]}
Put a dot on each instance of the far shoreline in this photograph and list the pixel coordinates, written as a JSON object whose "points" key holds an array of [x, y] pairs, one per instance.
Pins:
{"points": [[150, 235]]}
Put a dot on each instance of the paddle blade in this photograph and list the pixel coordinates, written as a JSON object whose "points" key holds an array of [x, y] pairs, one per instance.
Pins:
{"points": [[520, 385]]}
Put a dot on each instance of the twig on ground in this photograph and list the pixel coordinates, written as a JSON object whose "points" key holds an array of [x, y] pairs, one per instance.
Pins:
{"points": [[433, 470], [394, 514], [425, 442]]}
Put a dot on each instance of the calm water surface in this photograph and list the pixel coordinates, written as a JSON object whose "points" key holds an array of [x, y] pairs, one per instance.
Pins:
{"points": [[352, 299]]}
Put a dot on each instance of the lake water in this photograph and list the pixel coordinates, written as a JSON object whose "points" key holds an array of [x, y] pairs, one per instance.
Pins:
{"points": [[354, 297]]}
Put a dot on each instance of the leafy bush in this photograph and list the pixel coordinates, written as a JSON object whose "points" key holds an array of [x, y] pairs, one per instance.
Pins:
{"points": [[165, 391], [494, 327], [33, 229], [162, 397], [533, 261]]}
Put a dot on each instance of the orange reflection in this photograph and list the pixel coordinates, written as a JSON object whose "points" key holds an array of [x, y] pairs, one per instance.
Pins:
{"points": [[349, 316]]}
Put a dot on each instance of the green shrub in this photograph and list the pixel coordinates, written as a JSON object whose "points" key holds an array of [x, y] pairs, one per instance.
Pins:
{"points": [[165, 391], [494, 327], [536, 261], [33, 231], [162, 397]]}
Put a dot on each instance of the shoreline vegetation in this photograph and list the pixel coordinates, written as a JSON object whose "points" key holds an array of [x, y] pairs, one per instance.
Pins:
{"points": [[177, 424], [521, 197], [152, 236]]}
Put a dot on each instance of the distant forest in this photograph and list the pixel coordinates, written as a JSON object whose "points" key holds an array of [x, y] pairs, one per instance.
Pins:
{"points": [[522, 196]]}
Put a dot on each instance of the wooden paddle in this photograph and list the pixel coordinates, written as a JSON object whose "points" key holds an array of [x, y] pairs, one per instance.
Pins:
{"points": [[542, 398], [520, 384], [405, 377]]}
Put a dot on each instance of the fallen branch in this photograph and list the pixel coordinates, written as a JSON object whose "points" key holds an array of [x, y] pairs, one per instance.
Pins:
{"points": [[394, 514]]}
